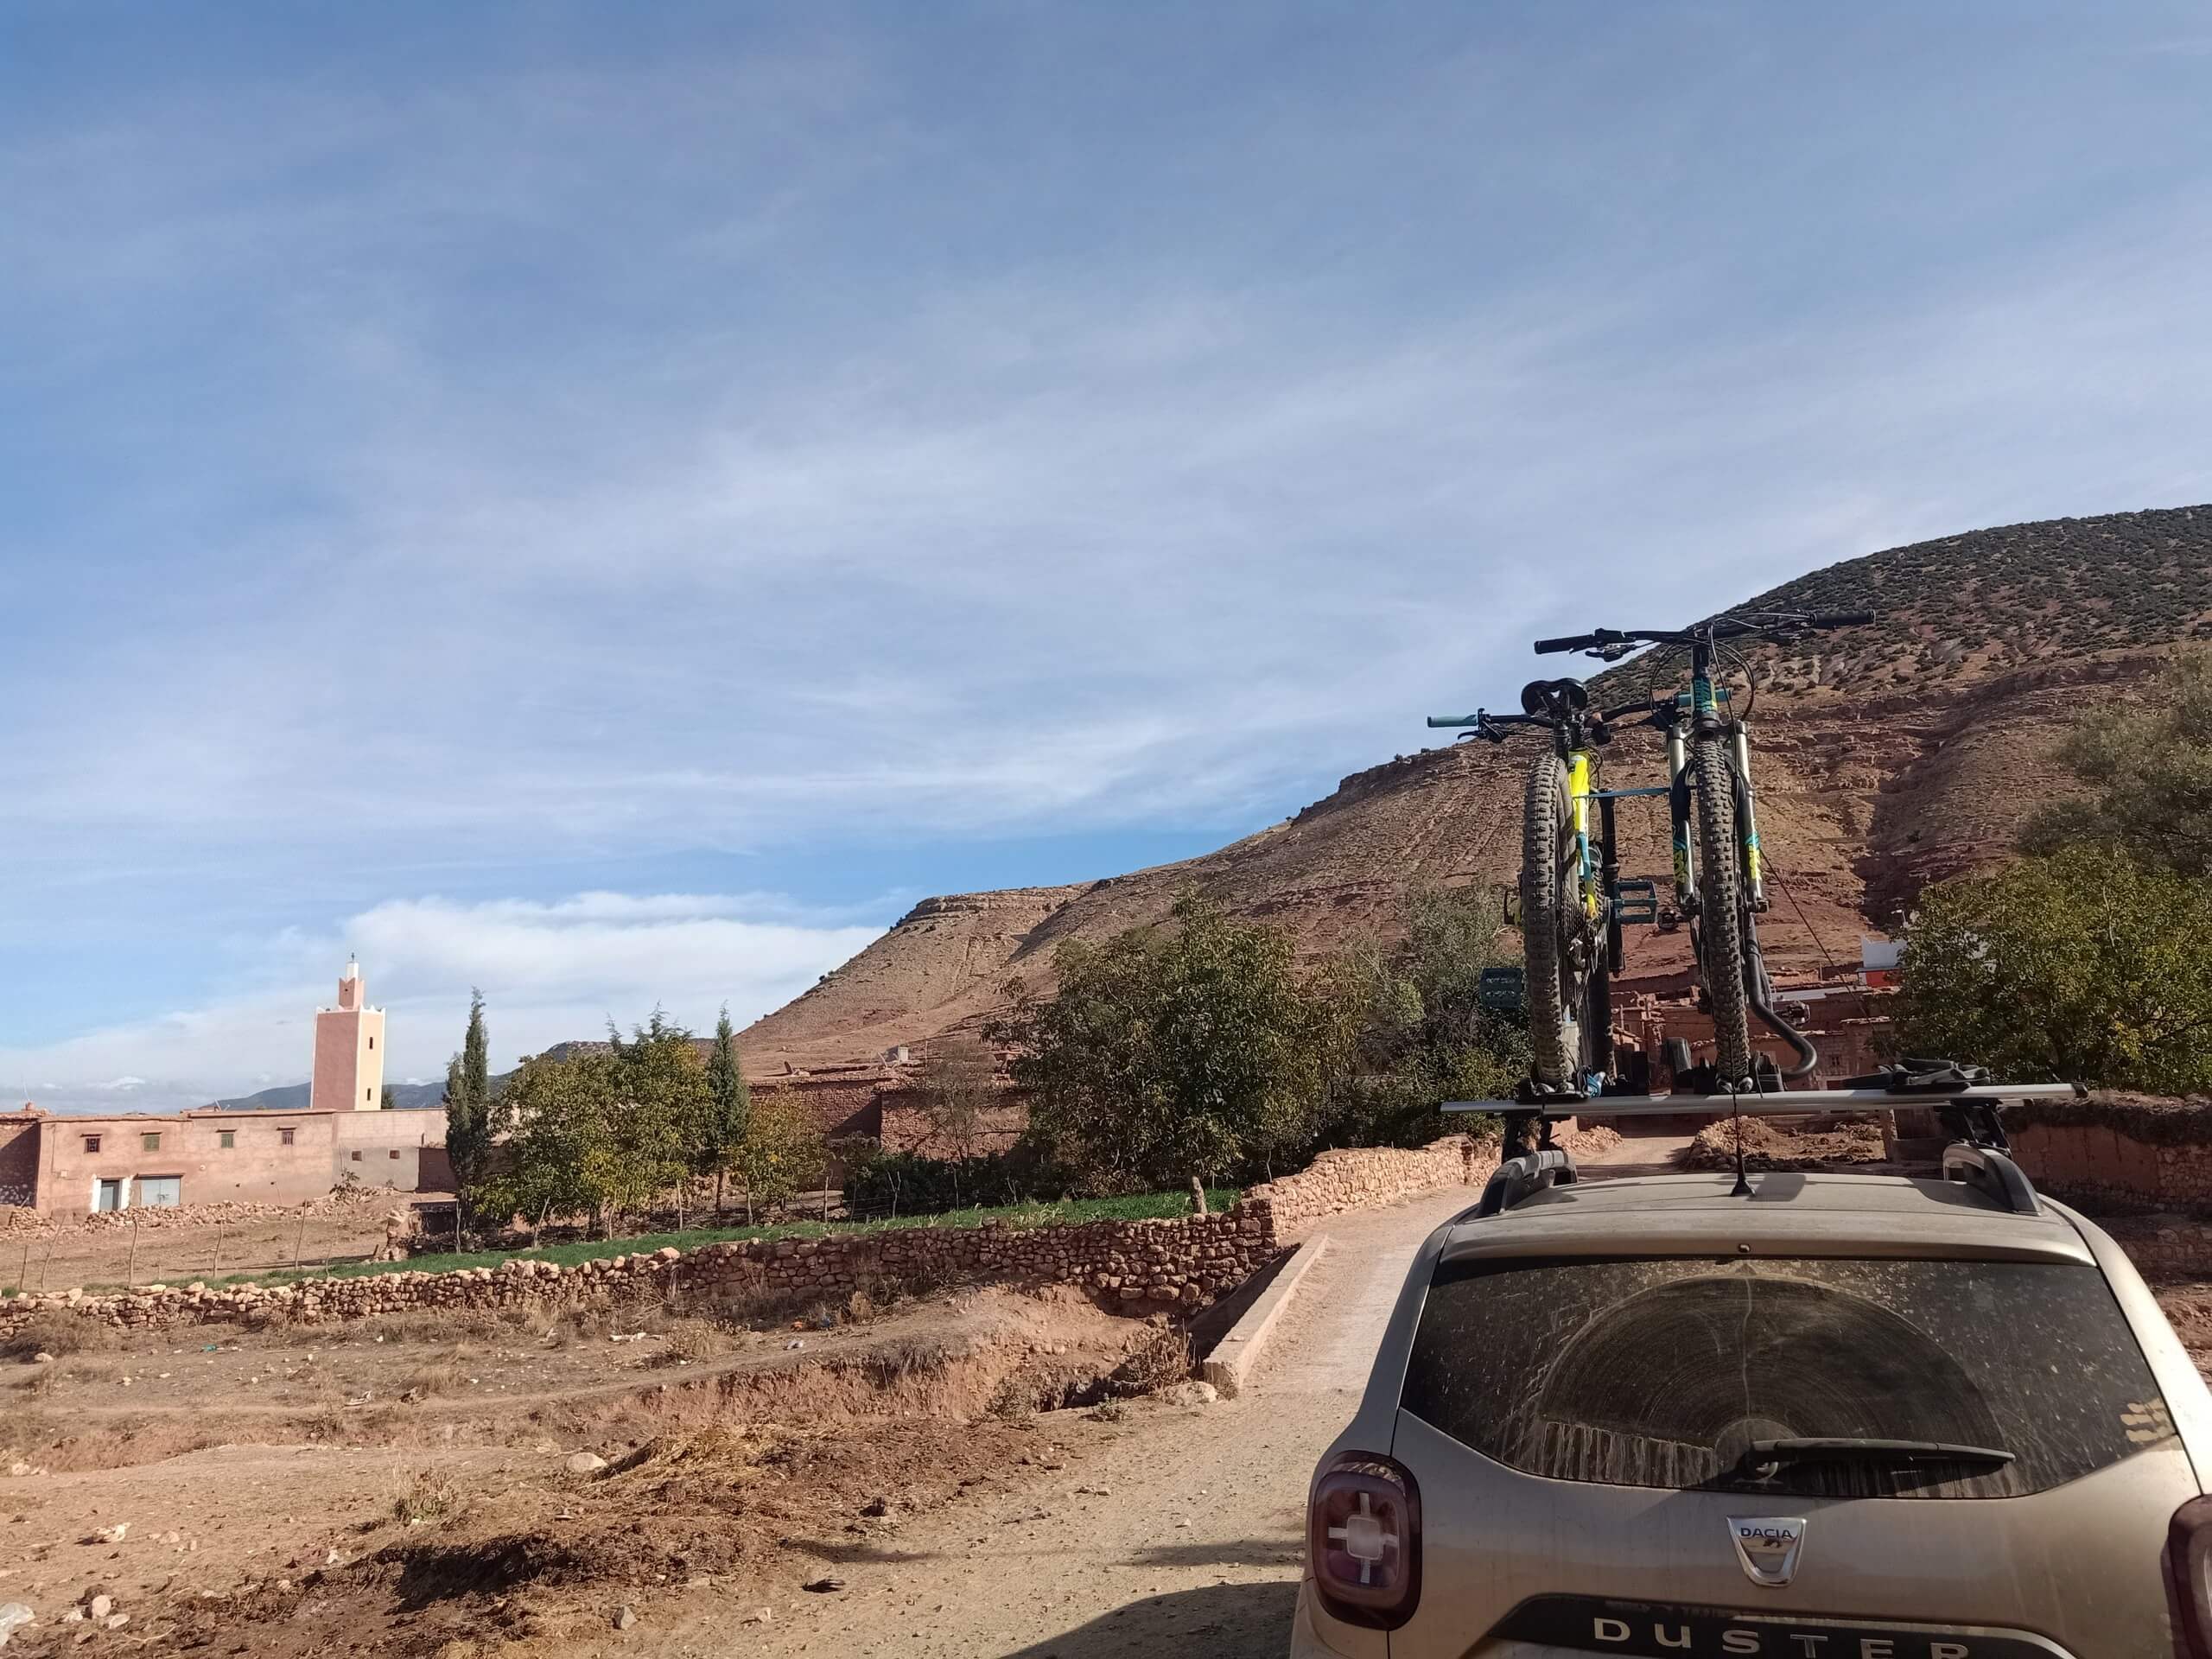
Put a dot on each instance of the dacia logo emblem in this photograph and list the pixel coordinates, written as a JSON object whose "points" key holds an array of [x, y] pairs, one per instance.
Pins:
{"points": [[1767, 1544]]}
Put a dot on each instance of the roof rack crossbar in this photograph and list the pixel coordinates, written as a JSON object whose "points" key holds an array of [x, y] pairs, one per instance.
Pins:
{"points": [[1795, 1103], [1993, 1172], [1523, 1177]]}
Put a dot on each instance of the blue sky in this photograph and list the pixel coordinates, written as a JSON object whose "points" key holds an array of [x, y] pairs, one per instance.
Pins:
{"points": [[611, 503]]}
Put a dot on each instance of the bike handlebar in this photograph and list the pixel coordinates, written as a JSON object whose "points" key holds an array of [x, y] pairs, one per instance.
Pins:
{"points": [[1720, 627]]}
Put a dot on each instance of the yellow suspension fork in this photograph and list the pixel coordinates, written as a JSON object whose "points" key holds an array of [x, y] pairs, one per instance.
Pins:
{"points": [[1747, 827], [1580, 780]]}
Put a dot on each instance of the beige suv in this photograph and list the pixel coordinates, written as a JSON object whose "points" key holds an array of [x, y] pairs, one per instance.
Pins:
{"points": [[1845, 1417]]}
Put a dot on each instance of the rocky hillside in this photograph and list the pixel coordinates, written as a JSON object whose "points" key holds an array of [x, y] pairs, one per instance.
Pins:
{"points": [[1890, 756]]}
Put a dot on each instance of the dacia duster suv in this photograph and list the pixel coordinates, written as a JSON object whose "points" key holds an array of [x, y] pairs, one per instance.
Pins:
{"points": [[1840, 1417]]}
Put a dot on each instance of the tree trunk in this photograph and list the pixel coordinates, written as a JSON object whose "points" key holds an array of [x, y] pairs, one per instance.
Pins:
{"points": [[720, 1177]]}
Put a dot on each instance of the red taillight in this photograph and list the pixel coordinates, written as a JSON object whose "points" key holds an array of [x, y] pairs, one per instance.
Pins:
{"points": [[1362, 1537], [2189, 1577]]}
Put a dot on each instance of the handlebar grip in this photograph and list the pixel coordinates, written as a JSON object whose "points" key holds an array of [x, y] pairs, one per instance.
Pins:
{"points": [[1572, 642], [1454, 720], [1841, 619]]}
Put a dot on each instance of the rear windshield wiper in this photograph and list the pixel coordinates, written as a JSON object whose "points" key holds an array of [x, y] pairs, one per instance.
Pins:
{"points": [[1766, 1456]]}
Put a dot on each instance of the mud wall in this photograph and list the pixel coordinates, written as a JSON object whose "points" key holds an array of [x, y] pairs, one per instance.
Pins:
{"points": [[2127, 1151], [19, 1160]]}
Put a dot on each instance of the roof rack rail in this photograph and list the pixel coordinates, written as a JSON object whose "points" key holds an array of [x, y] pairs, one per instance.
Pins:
{"points": [[1993, 1172], [1793, 1102], [1524, 1177]]}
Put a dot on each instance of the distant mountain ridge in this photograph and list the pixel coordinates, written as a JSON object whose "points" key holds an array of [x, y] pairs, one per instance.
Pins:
{"points": [[294, 1097], [1887, 756]]}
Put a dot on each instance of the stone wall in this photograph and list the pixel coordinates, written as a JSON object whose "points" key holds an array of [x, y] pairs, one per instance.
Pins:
{"points": [[1368, 1177], [1183, 1262]]}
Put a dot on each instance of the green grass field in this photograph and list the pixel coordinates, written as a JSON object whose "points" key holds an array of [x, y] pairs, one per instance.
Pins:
{"points": [[1138, 1207]]}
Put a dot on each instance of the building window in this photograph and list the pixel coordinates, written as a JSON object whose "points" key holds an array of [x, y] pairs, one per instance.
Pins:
{"points": [[92, 1143], [393, 1154], [284, 1137], [150, 1143], [372, 1042], [368, 1094], [226, 1139], [355, 1155]]}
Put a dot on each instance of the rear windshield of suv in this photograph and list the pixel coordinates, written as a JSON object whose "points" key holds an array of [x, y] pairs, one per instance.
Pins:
{"points": [[1662, 1372]]}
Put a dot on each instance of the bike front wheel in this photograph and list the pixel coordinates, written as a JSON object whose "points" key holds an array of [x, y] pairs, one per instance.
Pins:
{"points": [[1551, 919], [1720, 938]]}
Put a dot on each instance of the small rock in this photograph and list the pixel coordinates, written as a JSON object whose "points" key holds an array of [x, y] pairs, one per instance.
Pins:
{"points": [[624, 1618], [13, 1614], [116, 1621], [585, 1463], [876, 1507], [74, 1615], [41, 1358], [101, 1606], [759, 1616]]}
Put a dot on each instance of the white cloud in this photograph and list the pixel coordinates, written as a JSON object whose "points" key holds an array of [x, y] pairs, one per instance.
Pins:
{"points": [[548, 971]]}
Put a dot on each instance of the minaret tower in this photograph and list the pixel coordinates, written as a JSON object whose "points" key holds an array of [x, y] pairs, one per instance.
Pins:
{"points": [[348, 1050]]}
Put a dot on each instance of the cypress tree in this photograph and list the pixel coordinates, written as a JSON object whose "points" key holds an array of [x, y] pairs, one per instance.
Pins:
{"points": [[468, 1104], [729, 1105]]}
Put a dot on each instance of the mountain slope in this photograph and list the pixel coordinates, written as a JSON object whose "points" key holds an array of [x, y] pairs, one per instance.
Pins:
{"points": [[1887, 756]]}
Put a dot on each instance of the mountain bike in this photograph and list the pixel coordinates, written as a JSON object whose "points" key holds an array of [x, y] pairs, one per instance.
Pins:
{"points": [[1719, 874], [1570, 899]]}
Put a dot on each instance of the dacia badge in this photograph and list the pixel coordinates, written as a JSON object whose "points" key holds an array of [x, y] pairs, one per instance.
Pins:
{"points": [[1767, 1544]]}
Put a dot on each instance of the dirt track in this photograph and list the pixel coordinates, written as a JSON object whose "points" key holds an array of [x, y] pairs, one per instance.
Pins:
{"points": [[1182, 1538]]}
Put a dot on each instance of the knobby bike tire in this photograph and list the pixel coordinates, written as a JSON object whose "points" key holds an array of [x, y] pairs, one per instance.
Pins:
{"points": [[1719, 920], [1548, 887]]}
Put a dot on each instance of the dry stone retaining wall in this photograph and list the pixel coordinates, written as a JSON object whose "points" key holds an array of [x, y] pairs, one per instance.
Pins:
{"points": [[1184, 1263], [1368, 1177]]}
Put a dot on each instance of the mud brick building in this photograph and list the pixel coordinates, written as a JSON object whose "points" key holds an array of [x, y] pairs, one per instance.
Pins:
{"points": [[69, 1164]]}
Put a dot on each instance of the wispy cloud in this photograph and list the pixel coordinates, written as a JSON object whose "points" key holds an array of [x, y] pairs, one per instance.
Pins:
{"points": [[551, 971]]}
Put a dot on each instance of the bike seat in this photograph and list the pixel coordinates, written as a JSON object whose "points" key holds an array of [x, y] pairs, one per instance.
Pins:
{"points": [[1543, 696]]}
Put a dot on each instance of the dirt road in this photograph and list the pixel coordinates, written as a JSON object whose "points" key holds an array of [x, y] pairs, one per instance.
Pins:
{"points": [[1180, 1534]]}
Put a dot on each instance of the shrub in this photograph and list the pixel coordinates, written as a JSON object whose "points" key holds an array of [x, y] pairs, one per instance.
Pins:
{"points": [[61, 1335], [883, 1183]]}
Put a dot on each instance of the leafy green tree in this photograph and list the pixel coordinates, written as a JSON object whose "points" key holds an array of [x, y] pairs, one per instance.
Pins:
{"points": [[2145, 771], [1189, 1048], [471, 1127], [1422, 1035], [655, 1145], [2083, 966], [782, 1151], [730, 1108], [564, 1143]]}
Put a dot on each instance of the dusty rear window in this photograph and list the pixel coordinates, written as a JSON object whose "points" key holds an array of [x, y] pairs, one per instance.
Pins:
{"points": [[1662, 1372]]}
